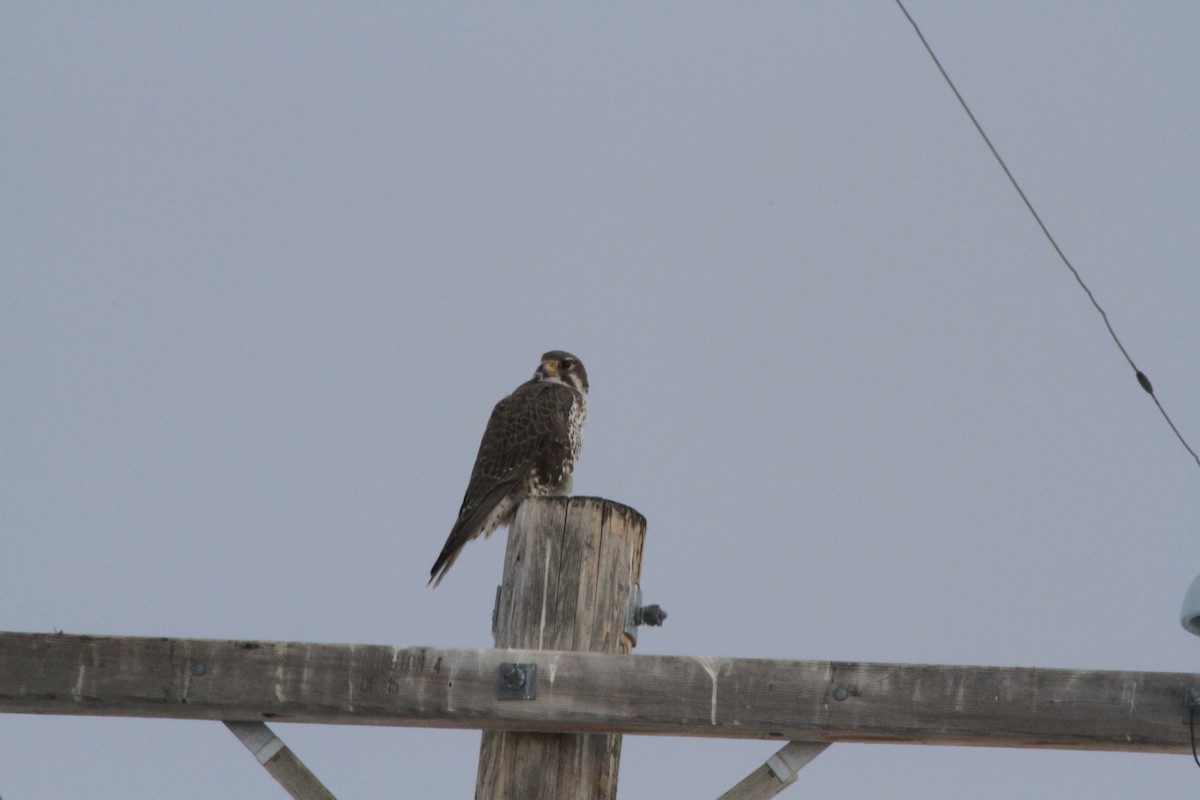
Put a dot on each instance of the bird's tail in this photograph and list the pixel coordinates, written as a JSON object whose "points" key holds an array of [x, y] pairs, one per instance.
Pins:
{"points": [[443, 564]]}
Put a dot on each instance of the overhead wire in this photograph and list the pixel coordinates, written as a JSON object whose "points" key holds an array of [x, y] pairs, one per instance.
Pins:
{"points": [[1142, 380]]}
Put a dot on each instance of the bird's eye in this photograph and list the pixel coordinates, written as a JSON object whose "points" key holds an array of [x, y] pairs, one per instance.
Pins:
{"points": [[567, 363]]}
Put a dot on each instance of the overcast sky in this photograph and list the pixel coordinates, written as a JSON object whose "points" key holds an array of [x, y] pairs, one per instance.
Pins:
{"points": [[267, 267]]}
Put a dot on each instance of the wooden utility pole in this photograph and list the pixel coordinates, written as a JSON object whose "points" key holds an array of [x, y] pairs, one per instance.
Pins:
{"points": [[568, 574]]}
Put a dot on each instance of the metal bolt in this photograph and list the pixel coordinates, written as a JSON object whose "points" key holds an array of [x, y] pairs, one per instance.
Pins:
{"points": [[649, 615], [517, 681], [840, 694], [513, 677], [198, 669]]}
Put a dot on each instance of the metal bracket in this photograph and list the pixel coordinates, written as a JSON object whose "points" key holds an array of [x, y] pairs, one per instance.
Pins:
{"points": [[639, 614], [496, 611], [792, 758], [279, 761], [258, 738], [517, 681], [1191, 705]]}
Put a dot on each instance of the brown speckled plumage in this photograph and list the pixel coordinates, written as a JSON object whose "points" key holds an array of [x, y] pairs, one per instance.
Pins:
{"points": [[529, 449]]}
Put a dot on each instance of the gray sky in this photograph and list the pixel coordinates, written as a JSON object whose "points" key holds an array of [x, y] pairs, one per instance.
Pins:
{"points": [[266, 269]]}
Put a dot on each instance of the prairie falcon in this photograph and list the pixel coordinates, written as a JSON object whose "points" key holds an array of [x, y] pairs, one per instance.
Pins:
{"points": [[528, 450]]}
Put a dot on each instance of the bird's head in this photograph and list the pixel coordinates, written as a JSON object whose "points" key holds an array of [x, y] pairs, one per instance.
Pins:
{"points": [[562, 367]]}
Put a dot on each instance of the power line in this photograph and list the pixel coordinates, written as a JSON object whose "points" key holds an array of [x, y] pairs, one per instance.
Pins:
{"points": [[1142, 380]]}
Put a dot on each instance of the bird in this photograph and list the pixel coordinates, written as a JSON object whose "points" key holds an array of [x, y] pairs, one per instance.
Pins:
{"points": [[529, 449]]}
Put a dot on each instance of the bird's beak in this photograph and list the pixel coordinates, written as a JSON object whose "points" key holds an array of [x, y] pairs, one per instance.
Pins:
{"points": [[550, 368]]}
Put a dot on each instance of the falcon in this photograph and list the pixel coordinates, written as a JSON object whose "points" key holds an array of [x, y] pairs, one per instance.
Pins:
{"points": [[529, 449]]}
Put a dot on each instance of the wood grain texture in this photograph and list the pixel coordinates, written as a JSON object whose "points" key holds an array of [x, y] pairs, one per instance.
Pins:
{"points": [[567, 575], [595, 693]]}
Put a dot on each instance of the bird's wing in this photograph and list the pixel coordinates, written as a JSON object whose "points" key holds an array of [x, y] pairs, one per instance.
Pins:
{"points": [[527, 431], [467, 527]]}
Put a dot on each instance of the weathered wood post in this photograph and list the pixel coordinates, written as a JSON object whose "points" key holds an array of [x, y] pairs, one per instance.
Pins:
{"points": [[568, 570]]}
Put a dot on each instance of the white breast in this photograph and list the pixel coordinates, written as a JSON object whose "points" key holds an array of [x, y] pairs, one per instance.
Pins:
{"points": [[576, 420]]}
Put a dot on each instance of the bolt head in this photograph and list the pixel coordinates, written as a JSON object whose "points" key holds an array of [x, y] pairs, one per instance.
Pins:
{"points": [[514, 676]]}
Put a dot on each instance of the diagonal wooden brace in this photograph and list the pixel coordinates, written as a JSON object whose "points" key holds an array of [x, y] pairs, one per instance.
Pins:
{"points": [[277, 759], [778, 773]]}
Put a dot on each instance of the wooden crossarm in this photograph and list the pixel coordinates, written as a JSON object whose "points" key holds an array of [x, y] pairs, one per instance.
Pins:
{"points": [[815, 701]]}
